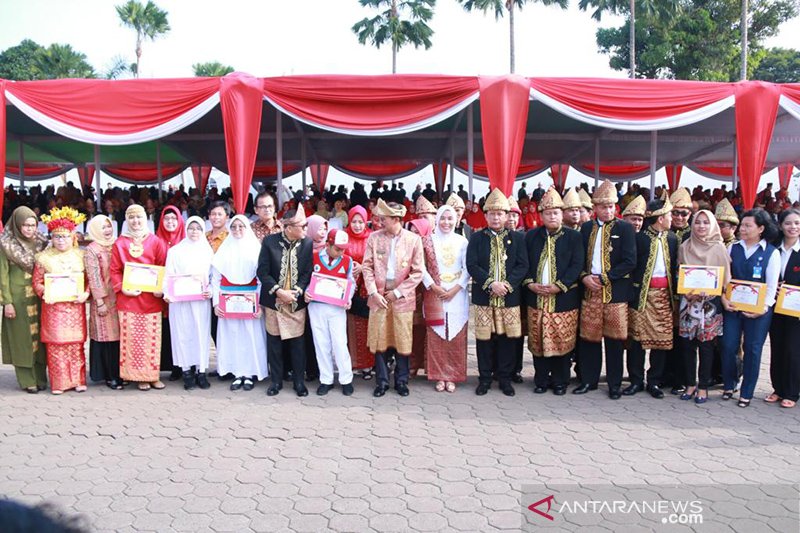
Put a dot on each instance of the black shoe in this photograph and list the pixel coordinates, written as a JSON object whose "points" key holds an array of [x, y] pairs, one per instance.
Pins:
{"points": [[188, 380], [584, 388], [114, 384], [213, 374], [538, 389], [176, 373], [247, 384], [301, 391], [632, 389], [560, 390], [482, 389], [402, 389], [237, 383], [656, 392], [202, 381], [678, 389], [347, 390], [614, 393], [274, 389], [507, 389], [43, 387], [226, 377], [323, 389], [517, 377], [311, 377], [380, 390]]}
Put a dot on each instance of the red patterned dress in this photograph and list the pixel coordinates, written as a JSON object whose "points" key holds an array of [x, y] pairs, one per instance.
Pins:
{"points": [[358, 316]]}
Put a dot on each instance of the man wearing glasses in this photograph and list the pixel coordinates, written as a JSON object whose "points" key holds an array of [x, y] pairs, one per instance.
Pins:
{"points": [[681, 202], [267, 223]]}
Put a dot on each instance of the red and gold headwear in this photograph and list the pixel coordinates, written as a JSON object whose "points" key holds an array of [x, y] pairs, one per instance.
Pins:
{"points": [[63, 219]]}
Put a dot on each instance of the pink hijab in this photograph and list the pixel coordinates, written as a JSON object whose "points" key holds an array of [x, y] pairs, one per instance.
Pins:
{"points": [[314, 223]]}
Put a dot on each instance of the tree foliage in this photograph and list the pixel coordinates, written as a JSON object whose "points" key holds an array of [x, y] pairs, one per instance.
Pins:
{"points": [[147, 20], [31, 61], [19, 62], [211, 69], [701, 42], [779, 65]]}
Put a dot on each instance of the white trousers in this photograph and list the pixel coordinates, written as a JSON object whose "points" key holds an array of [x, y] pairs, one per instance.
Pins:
{"points": [[329, 329]]}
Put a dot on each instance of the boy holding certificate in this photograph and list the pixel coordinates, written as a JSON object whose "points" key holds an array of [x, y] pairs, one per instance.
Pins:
{"points": [[329, 320]]}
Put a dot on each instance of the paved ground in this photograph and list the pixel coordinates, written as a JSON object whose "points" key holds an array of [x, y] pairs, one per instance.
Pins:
{"points": [[233, 461]]}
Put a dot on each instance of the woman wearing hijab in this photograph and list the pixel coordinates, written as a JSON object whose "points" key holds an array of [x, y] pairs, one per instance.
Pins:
{"points": [[241, 342], [171, 230], [358, 315], [446, 303], [700, 315], [63, 324], [19, 244], [317, 231], [103, 319], [139, 312], [190, 321], [421, 227]]}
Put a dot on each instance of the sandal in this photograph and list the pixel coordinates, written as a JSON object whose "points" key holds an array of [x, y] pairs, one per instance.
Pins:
{"points": [[144, 386], [743, 402], [788, 404], [727, 395], [440, 386], [366, 375], [80, 388], [57, 392], [773, 398], [158, 385], [450, 387]]}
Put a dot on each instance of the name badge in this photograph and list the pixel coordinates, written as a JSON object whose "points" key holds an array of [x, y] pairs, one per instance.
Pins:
{"points": [[757, 270]]}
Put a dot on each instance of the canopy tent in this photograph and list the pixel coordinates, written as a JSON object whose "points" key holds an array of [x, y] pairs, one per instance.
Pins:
{"points": [[259, 127]]}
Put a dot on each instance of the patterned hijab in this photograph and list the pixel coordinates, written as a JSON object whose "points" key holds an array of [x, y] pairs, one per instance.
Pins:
{"points": [[17, 248], [95, 230]]}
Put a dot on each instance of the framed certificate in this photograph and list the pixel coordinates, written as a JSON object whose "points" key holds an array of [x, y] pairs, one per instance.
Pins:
{"points": [[184, 287], [63, 287], [238, 304], [748, 296], [694, 279], [788, 300], [328, 289], [145, 278]]}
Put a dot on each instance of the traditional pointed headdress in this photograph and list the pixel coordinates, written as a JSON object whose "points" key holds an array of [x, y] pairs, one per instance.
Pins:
{"points": [[571, 199], [586, 200], [455, 201], [513, 205], [681, 199], [551, 200], [666, 208], [424, 207], [606, 193], [383, 209], [637, 206], [496, 201], [726, 213]]}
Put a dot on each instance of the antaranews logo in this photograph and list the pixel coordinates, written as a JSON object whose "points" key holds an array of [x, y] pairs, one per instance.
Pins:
{"points": [[546, 514]]}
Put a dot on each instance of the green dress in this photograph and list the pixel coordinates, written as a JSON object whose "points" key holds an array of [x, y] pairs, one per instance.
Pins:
{"points": [[20, 335]]}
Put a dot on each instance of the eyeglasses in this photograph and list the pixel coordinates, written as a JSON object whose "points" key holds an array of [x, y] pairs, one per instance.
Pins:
{"points": [[30, 225], [301, 226], [60, 237], [264, 207], [681, 213]]}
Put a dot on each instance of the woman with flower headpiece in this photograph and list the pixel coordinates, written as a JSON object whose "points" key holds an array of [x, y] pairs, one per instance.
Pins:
{"points": [[139, 312], [19, 244], [63, 323]]}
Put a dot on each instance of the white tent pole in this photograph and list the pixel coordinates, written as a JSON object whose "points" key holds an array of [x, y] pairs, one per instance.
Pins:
{"points": [[21, 157], [596, 162], [452, 165], [158, 171], [653, 156], [279, 155], [735, 165], [97, 176], [303, 156], [470, 150]]}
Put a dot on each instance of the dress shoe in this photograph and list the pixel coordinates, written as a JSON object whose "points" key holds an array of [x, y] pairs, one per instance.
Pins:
{"points": [[380, 390], [227, 377], [655, 392], [507, 389], [273, 390], [584, 388], [678, 389], [538, 389], [114, 384], [482, 389], [632, 389], [301, 391], [347, 390], [516, 377], [248, 384], [237, 383], [176, 374], [614, 393], [202, 381], [402, 389], [323, 389], [189, 381], [560, 390]]}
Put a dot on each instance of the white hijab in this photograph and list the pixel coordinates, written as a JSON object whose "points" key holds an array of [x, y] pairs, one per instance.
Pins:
{"points": [[237, 259], [191, 257], [440, 238]]}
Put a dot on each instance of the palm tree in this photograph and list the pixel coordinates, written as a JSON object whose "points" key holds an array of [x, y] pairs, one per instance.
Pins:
{"points": [[148, 21], [500, 7], [61, 61], [211, 69], [662, 9], [116, 68], [390, 26]]}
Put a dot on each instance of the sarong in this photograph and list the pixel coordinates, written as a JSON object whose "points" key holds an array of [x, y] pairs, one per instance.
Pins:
{"points": [[388, 329], [357, 328], [66, 364], [285, 325], [446, 360], [140, 346], [497, 320], [551, 334], [652, 327], [600, 320]]}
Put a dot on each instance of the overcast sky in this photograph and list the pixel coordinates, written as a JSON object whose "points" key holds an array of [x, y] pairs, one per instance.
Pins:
{"points": [[284, 37]]}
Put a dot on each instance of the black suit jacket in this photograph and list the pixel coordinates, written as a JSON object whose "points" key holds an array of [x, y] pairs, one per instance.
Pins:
{"points": [[623, 257], [641, 277], [478, 252], [792, 274], [570, 259], [269, 268]]}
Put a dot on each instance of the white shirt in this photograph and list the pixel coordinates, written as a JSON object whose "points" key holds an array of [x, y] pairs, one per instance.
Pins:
{"points": [[660, 267], [390, 273], [786, 254], [772, 270], [597, 258]]}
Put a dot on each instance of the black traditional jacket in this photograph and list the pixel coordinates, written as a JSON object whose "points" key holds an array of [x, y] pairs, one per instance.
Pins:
{"points": [[619, 258], [283, 264], [647, 242], [565, 250], [496, 257]]}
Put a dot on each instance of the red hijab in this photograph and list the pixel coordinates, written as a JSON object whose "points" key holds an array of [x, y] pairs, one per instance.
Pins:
{"points": [[171, 238], [358, 241], [422, 225]]}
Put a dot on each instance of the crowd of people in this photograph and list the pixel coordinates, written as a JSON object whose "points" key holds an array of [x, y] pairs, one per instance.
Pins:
{"points": [[583, 277]]}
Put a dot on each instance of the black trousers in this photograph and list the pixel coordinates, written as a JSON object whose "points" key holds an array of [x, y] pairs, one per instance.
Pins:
{"points": [[401, 369], [166, 346], [551, 371], [635, 364], [498, 348], [674, 369], [519, 347], [591, 359], [784, 365], [297, 356], [700, 376]]}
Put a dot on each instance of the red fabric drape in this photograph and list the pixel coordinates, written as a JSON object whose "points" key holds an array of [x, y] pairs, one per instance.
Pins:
{"points": [[673, 176], [2, 143], [85, 175], [319, 175], [240, 99], [390, 170], [201, 173], [37, 171], [439, 174], [756, 109], [364, 103], [269, 171], [785, 174], [559, 175], [142, 173], [504, 116], [480, 170], [618, 172]]}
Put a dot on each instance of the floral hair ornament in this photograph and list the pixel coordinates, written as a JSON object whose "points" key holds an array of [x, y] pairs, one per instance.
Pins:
{"points": [[63, 219]]}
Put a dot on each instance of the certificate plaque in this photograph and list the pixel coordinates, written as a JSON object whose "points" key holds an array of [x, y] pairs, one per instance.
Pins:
{"points": [[694, 279], [63, 287], [747, 296], [788, 301], [328, 289], [141, 277], [184, 287], [239, 304]]}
